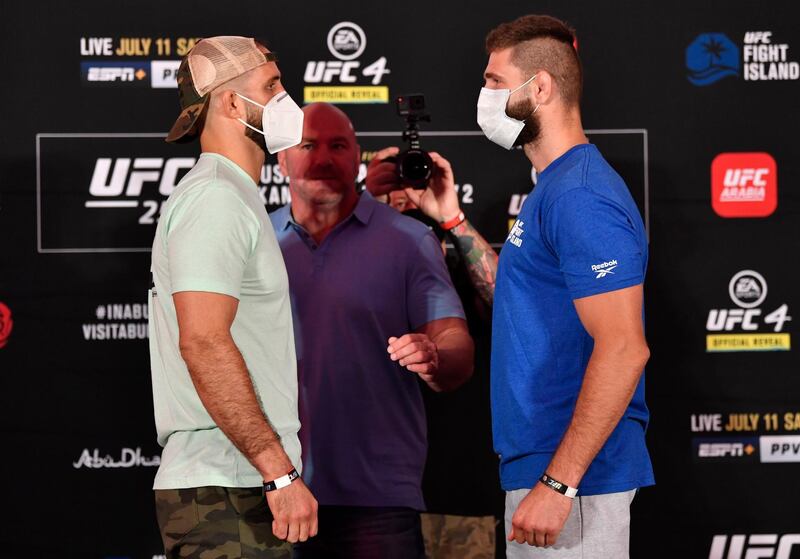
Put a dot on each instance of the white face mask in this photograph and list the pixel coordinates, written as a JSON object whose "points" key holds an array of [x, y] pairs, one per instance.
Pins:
{"points": [[281, 122], [492, 118]]}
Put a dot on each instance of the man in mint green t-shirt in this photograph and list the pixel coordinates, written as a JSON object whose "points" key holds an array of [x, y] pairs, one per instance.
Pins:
{"points": [[221, 342]]}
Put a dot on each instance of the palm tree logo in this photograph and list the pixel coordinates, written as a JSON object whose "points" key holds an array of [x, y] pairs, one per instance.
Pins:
{"points": [[714, 48], [711, 57]]}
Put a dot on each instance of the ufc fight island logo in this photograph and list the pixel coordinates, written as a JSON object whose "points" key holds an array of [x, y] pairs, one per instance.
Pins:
{"points": [[515, 235]]}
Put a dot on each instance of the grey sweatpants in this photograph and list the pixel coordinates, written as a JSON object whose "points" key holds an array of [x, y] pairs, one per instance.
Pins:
{"points": [[598, 527]]}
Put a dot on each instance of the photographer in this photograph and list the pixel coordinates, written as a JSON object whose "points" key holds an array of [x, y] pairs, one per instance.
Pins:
{"points": [[458, 524], [439, 201], [373, 309]]}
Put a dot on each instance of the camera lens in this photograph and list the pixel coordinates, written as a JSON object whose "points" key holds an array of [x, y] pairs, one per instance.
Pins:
{"points": [[414, 167]]}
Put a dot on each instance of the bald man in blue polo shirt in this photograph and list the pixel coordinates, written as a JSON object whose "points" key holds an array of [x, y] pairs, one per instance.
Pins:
{"points": [[374, 312]]}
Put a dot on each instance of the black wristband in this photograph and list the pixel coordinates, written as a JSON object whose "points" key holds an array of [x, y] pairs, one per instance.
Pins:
{"points": [[559, 487], [281, 482]]}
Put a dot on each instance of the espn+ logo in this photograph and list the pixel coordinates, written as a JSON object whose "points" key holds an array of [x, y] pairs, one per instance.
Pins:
{"points": [[744, 185], [723, 450], [755, 546]]}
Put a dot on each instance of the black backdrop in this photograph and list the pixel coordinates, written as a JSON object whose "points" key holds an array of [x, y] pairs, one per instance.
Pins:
{"points": [[84, 171]]}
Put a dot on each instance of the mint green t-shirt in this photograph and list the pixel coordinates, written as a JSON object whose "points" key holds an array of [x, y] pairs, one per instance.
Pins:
{"points": [[214, 235]]}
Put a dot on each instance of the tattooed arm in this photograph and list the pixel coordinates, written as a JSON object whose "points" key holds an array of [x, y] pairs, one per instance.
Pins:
{"points": [[479, 257], [440, 202]]}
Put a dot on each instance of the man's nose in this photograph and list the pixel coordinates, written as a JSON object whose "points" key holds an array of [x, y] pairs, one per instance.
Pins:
{"points": [[322, 157]]}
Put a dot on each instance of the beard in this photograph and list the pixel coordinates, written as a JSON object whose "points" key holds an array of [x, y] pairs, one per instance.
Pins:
{"points": [[532, 131], [254, 119]]}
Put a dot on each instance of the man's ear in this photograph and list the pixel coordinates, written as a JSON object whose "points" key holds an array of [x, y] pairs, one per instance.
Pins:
{"points": [[231, 105], [543, 88]]}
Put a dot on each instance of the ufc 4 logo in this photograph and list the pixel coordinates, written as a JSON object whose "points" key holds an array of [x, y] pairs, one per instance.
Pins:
{"points": [[744, 184], [758, 546], [726, 320], [331, 71]]}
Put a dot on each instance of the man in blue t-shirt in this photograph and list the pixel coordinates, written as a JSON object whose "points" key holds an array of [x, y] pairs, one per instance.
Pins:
{"points": [[374, 311], [568, 345]]}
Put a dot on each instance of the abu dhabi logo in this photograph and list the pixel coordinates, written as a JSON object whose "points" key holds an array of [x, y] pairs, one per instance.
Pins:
{"points": [[711, 57], [129, 458]]}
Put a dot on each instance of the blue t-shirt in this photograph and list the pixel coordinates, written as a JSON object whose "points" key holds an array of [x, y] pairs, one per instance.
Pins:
{"points": [[578, 234], [377, 274]]}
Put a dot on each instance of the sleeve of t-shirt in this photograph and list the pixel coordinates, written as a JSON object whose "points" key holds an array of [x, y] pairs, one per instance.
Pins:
{"points": [[430, 293], [210, 237], [597, 245]]}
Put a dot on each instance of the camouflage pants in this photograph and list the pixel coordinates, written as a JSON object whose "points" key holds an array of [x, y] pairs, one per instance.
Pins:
{"points": [[459, 537], [217, 523]]}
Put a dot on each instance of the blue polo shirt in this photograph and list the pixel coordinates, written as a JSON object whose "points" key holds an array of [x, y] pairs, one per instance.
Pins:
{"points": [[578, 234], [377, 274]]}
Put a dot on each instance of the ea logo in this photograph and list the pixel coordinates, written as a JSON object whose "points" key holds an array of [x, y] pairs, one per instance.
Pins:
{"points": [[346, 40], [748, 289]]}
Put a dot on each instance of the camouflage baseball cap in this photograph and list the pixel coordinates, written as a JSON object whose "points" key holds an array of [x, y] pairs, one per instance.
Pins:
{"points": [[209, 64]]}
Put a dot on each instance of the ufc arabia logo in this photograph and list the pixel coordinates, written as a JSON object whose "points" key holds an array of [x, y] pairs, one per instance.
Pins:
{"points": [[744, 185]]}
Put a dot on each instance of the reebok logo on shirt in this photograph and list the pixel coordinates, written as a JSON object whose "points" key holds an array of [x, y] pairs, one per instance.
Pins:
{"points": [[515, 235], [602, 270]]}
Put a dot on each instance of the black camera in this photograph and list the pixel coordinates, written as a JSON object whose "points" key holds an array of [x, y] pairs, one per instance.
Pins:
{"points": [[414, 165]]}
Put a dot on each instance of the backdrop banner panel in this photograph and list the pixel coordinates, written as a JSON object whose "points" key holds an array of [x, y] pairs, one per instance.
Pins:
{"points": [[694, 104]]}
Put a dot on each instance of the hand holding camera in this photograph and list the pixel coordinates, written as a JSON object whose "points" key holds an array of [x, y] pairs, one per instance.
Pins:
{"points": [[426, 177], [439, 200], [412, 167]]}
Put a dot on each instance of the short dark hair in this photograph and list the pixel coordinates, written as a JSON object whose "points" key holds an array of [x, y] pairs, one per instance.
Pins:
{"points": [[542, 43]]}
